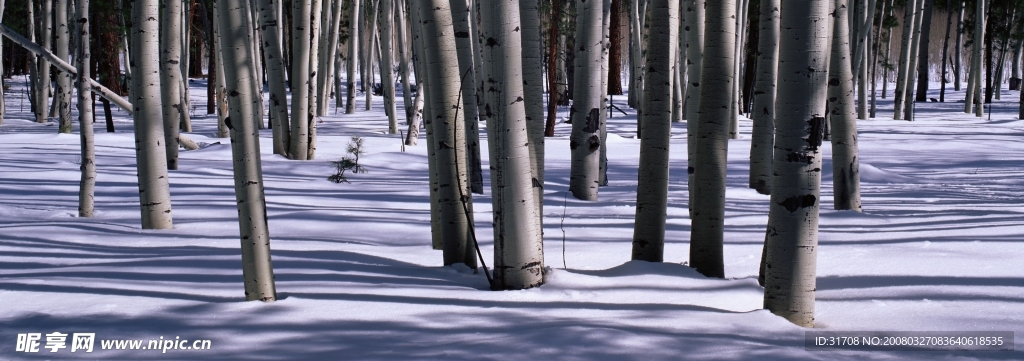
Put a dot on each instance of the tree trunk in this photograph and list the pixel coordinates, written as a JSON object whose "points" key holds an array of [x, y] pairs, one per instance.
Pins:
{"points": [[903, 69], [652, 188], [222, 101], [957, 57], [734, 102], [915, 48], [694, 62], [371, 41], [151, 156], [87, 185], [387, 81], [353, 59], [403, 61], [922, 59], [976, 59], [273, 59], [316, 12], [43, 88], [467, 84], [553, 38], [449, 137], [945, 52], [874, 58], [62, 50], [533, 85], [257, 270], [585, 141], [845, 167], [170, 74], [615, 52], [518, 247], [301, 35], [763, 114], [792, 234], [709, 166]]}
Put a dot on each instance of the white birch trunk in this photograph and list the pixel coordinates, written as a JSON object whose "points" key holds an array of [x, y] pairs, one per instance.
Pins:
{"points": [[43, 88], [903, 69], [62, 50], [636, 72], [273, 54], [915, 48], [222, 104], [712, 139], [449, 135], [316, 12], [741, 26], [326, 74], [403, 60], [518, 247], [257, 270], [845, 166], [387, 74], [372, 8], [150, 154], [652, 188], [170, 77], [353, 58], [533, 85], [763, 112], [467, 82], [694, 60], [301, 20], [87, 185], [585, 140], [792, 234], [977, 59]]}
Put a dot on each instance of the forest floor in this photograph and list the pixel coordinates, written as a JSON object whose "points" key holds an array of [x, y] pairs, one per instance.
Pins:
{"points": [[939, 247]]}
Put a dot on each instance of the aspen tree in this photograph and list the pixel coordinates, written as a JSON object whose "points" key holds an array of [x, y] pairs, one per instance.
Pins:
{"points": [[43, 87], [62, 93], [353, 56], [712, 140], [533, 86], [845, 165], [903, 69], [763, 113], [449, 141], [467, 83], [652, 187], [694, 59], [585, 140], [301, 35], [150, 154], [273, 59], [792, 234], [170, 75], [237, 52], [518, 247], [87, 185]]}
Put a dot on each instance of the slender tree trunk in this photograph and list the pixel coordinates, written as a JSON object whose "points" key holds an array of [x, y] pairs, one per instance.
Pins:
{"points": [[652, 188], [922, 59], [845, 166], [533, 85], [945, 52], [273, 57], [449, 136], [222, 95], [87, 185], [874, 58], [903, 69], [387, 81], [792, 234], [603, 163], [741, 24], [315, 17], [151, 156], [371, 40], [353, 56], [62, 50], [553, 38], [585, 141], [861, 58], [636, 51], [332, 14], [170, 74], [694, 62], [912, 69], [976, 59], [46, 27], [301, 35], [957, 57], [257, 269], [763, 114], [615, 51], [467, 84], [518, 247], [403, 61], [708, 210]]}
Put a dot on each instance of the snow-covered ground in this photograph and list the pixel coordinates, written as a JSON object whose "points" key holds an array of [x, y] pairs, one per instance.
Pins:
{"points": [[939, 247]]}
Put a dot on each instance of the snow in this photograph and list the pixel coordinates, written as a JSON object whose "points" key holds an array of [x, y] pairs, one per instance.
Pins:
{"points": [[939, 247]]}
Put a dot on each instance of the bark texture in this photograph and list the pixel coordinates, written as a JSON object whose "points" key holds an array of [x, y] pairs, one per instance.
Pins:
{"points": [[845, 166], [792, 233], [707, 213], [585, 141], [763, 113]]}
